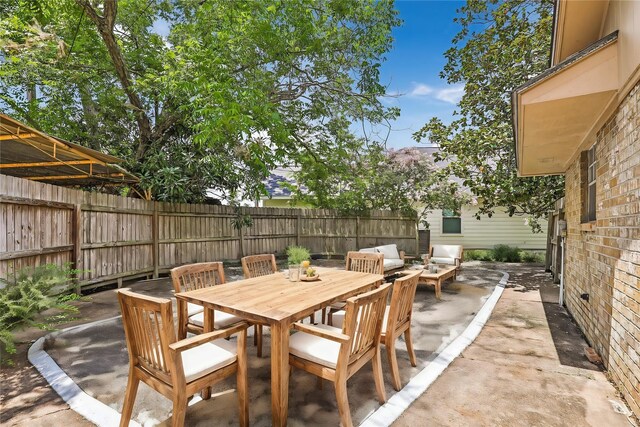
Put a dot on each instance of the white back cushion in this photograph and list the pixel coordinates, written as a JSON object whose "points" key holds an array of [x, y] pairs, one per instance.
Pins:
{"points": [[368, 250], [447, 251], [389, 251]]}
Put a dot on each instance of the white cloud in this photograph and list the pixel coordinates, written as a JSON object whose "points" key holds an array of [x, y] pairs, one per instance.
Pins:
{"points": [[421, 90], [449, 94]]}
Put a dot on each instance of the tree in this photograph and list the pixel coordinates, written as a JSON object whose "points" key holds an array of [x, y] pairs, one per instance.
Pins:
{"points": [[501, 45], [230, 91], [405, 181]]}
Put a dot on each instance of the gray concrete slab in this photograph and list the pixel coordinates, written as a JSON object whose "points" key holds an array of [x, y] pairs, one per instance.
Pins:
{"points": [[513, 374], [95, 358]]}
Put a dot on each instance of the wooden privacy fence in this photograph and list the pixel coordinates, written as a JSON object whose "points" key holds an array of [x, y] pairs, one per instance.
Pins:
{"points": [[112, 238]]}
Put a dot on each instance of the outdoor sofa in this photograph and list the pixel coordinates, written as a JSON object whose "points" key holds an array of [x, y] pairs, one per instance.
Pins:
{"points": [[393, 259]]}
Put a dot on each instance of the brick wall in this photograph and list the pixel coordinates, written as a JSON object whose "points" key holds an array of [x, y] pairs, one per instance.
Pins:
{"points": [[605, 262]]}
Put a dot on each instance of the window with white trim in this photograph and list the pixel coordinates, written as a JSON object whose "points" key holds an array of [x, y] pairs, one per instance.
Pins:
{"points": [[451, 221]]}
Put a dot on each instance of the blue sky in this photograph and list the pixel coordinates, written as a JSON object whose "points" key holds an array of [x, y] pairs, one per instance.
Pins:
{"points": [[413, 65]]}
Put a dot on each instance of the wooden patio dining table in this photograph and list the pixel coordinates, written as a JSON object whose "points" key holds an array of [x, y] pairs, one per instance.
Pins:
{"points": [[275, 301]]}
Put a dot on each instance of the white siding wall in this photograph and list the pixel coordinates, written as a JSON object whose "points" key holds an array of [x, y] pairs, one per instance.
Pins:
{"points": [[488, 232]]}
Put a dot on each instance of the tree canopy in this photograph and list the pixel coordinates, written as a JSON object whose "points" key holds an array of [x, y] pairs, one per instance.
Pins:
{"points": [[501, 45], [405, 180], [198, 94]]}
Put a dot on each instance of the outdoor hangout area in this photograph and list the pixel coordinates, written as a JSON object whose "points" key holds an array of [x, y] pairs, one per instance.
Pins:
{"points": [[318, 213]]}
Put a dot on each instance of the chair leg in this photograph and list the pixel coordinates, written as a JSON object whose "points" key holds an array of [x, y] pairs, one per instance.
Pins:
{"points": [[407, 340], [242, 380], [179, 409], [377, 376], [205, 393], [343, 402], [129, 398], [255, 334], [259, 342], [330, 318], [323, 317], [393, 363], [319, 383]]}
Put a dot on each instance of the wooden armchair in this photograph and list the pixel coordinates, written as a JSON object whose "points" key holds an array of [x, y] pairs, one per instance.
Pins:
{"points": [[178, 369], [363, 262], [197, 276], [336, 354], [397, 320], [256, 266]]}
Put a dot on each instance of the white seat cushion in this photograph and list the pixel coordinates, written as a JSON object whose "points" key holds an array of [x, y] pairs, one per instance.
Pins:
{"points": [[390, 264], [446, 251], [338, 318], [389, 251], [220, 319], [316, 349], [442, 260], [194, 309], [208, 357]]}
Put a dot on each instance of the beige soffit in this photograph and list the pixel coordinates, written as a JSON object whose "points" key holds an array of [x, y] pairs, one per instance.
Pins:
{"points": [[555, 111], [577, 24]]}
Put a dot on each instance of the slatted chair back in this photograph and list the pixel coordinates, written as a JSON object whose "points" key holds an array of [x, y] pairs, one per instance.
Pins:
{"points": [[149, 330], [365, 262], [363, 323], [196, 276], [401, 307], [258, 265]]}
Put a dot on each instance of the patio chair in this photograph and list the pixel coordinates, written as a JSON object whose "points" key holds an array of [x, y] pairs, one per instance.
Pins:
{"points": [[445, 254], [197, 276], [178, 369], [256, 266], [397, 320], [363, 262], [336, 354]]}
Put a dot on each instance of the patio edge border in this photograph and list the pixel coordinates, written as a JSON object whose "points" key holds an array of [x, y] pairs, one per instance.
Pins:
{"points": [[400, 402], [91, 409]]}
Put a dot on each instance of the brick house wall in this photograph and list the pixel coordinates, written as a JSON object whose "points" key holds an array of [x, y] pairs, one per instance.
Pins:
{"points": [[604, 262]]}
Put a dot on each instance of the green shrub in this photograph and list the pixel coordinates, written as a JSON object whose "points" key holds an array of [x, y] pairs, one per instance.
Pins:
{"points": [[506, 253], [477, 255], [297, 254], [532, 256], [30, 292]]}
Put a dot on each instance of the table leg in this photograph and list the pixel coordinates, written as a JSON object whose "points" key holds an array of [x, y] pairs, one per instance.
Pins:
{"points": [[279, 373], [438, 289]]}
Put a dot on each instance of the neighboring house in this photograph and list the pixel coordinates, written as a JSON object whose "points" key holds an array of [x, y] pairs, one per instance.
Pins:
{"points": [[445, 227], [462, 228], [581, 118], [279, 195]]}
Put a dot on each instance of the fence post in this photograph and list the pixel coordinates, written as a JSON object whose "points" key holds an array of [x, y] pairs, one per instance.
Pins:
{"points": [[155, 232], [417, 237], [76, 254], [357, 233], [298, 228]]}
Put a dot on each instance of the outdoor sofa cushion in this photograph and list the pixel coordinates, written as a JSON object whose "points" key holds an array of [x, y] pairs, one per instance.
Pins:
{"points": [[317, 349], [392, 258], [208, 357], [446, 254]]}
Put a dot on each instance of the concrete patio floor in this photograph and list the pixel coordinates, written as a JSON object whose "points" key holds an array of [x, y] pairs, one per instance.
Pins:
{"points": [[527, 367]]}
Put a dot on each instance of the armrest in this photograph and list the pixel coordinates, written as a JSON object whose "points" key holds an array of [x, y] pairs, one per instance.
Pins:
{"points": [[402, 254], [188, 343], [322, 333]]}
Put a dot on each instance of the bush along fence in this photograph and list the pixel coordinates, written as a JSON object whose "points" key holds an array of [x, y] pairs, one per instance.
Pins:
{"points": [[110, 238]]}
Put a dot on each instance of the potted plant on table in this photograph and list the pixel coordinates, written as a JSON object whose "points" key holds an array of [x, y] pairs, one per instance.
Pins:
{"points": [[297, 256]]}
